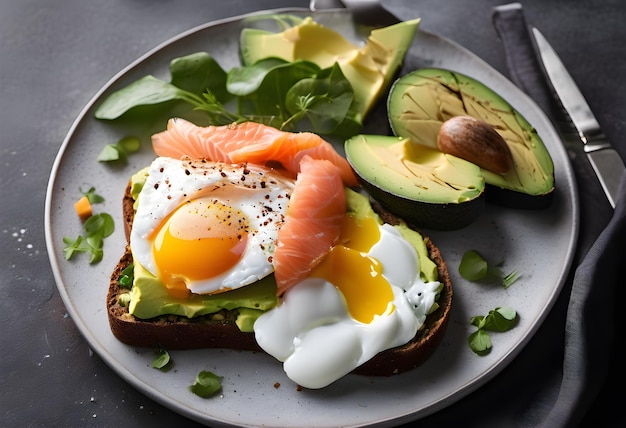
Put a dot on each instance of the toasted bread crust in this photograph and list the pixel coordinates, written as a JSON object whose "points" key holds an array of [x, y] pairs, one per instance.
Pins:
{"points": [[170, 331], [220, 331]]}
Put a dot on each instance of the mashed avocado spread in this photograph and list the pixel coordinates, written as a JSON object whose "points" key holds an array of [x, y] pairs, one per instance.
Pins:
{"points": [[149, 298]]}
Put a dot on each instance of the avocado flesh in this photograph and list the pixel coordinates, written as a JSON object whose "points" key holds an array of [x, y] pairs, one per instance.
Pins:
{"points": [[149, 298], [419, 184], [369, 69], [421, 101], [414, 171]]}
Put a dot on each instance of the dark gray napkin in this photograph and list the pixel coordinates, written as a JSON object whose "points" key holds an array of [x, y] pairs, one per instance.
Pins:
{"points": [[590, 380], [592, 387]]}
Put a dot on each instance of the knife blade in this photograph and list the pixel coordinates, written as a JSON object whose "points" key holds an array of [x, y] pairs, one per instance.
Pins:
{"points": [[604, 159]]}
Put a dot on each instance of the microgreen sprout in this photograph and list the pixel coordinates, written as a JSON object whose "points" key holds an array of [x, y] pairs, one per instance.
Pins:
{"points": [[510, 279], [162, 361], [207, 384], [92, 196], [126, 277], [95, 228], [120, 150], [474, 267], [500, 319]]}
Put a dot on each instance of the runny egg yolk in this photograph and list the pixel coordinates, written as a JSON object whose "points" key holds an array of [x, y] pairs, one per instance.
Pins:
{"points": [[359, 233], [358, 276], [199, 240]]}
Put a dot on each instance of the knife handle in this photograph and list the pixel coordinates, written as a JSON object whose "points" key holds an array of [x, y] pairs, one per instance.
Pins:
{"points": [[521, 56]]}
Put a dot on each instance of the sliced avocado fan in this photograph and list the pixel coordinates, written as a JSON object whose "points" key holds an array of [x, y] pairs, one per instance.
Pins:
{"points": [[369, 69]]}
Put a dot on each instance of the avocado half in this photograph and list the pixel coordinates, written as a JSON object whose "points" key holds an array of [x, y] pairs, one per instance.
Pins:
{"points": [[425, 187], [369, 69], [421, 101]]}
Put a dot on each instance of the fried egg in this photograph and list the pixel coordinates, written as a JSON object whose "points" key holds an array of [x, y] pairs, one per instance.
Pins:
{"points": [[364, 297], [206, 227]]}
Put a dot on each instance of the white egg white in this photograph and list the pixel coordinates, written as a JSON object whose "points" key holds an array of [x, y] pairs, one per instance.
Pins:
{"points": [[258, 192], [318, 341]]}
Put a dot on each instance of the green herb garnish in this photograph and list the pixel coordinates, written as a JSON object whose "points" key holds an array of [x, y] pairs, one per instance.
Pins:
{"points": [[206, 385], [474, 267], [498, 320], [95, 228], [120, 150], [510, 279], [162, 360], [92, 196], [290, 96], [127, 276]]}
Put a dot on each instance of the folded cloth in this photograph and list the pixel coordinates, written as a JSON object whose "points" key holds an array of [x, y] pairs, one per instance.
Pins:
{"points": [[589, 373], [591, 390]]}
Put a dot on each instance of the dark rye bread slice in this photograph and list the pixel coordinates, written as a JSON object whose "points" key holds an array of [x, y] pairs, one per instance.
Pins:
{"points": [[169, 331], [219, 330]]}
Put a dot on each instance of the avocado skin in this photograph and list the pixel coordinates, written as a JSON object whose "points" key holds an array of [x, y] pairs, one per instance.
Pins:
{"points": [[444, 217], [416, 183], [516, 200], [421, 101]]}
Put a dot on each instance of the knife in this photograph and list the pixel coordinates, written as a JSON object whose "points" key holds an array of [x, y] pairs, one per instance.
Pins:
{"points": [[604, 159]]}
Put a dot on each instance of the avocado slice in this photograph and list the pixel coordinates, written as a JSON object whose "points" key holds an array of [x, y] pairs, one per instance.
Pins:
{"points": [[421, 101], [149, 298], [369, 69], [419, 184]]}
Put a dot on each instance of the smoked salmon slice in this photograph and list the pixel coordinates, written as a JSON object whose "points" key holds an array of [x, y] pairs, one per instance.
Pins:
{"points": [[313, 222], [247, 142]]}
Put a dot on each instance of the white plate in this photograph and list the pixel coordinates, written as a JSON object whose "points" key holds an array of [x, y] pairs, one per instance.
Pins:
{"points": [[539, 244]]}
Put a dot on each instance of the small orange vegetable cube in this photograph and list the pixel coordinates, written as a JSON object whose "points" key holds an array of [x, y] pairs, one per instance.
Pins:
{"points": [[83, 208]]}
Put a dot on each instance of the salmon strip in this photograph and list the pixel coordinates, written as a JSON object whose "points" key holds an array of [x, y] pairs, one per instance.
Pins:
{"points": [[247, 142], [313, 222]]}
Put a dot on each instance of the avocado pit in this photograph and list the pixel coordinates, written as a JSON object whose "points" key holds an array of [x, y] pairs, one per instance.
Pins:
{"points": [[475, 141]]}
